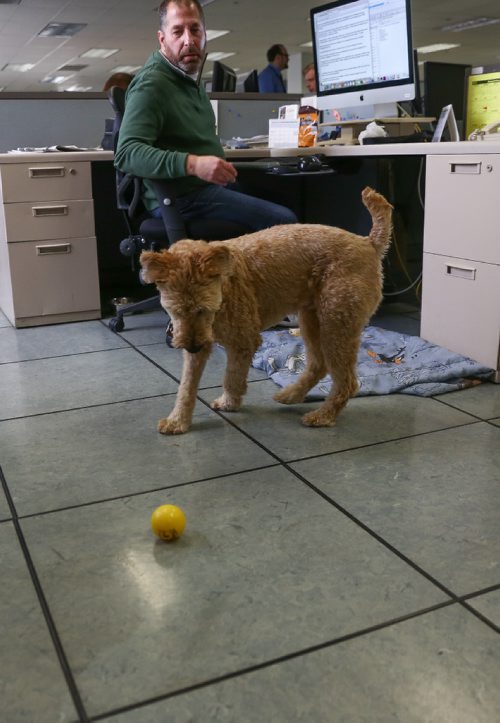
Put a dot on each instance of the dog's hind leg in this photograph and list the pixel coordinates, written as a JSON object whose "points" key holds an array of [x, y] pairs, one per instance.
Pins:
{"points": [[315, 361], [179, 419], [341, 354], [235, 379]]}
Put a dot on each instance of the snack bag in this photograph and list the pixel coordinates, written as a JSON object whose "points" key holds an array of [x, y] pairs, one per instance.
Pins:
{"points": [[308, 126]]}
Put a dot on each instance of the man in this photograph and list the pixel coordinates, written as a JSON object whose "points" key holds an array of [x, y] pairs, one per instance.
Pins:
{"points": [[310, 78], [270, 79], [168, 130]]}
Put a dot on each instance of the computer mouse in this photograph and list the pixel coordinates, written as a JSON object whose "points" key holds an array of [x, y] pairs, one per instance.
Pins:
{"points": [[309, 163]]}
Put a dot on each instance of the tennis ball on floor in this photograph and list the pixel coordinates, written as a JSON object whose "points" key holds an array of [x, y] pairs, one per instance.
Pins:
{"points": [[168, 522]]}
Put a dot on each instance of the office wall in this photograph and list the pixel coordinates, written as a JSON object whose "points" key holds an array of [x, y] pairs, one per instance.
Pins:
{"points": [[48, 121], [43, 119]]}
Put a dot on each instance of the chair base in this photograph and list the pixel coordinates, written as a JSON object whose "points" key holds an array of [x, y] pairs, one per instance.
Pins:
{"points": [[117, 323]]}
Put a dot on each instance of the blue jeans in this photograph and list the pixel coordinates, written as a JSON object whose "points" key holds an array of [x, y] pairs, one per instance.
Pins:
{"points": [[226, 204]]}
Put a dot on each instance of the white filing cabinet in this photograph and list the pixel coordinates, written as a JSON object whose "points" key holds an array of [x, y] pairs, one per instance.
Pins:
{"points": [[48, 250], [461, 265]]}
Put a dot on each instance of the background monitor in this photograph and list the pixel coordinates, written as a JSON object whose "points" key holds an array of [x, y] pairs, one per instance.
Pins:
{"points": [[363, 54], [251, 82], [445, 84], [483, 98], [223, 78]]}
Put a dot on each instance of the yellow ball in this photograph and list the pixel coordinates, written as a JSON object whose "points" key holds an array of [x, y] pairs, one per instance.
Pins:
{"points": [[168, 522]]}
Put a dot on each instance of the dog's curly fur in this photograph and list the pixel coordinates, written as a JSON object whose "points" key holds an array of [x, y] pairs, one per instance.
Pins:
{"points": [[229, 291]]}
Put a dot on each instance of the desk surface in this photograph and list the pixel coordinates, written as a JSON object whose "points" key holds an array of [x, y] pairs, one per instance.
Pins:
{"points": [[56, 157]]}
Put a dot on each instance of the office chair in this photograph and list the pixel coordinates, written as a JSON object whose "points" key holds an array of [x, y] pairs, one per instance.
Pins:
{"points": [[147, 233]]}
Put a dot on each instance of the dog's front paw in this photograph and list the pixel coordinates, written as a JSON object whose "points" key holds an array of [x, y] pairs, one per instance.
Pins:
{"points": [[287, 395], [319, 418], [226, 403], [172, 426]]}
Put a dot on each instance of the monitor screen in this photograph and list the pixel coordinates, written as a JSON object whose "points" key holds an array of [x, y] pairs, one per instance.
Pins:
{"points": [[223, 78], [363, 53], [444, 84], [251, 82]]}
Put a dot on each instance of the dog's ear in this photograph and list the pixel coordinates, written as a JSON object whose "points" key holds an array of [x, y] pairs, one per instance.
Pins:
{"points": [[217, 261], [155, 266]]}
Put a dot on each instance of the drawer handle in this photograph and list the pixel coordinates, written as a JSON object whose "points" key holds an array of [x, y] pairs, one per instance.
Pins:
{"points": [[47, 172], [53, 249], [461, 272], [463, 168], [39, 211]]}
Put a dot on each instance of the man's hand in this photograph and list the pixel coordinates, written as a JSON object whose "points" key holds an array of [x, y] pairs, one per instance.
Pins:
{"points": [[211, 169]]}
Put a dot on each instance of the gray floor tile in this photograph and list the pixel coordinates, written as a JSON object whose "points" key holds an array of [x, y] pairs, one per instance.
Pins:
{"points": [[482, 401], [4, 321], [247, 582], [4, 507], [496, 421], [365, 420], [92, 454], [56, 340], [435, 498], [171, 360], [489, 605], [49, 385], [32, 686], [441, 667], [146, 328], [402, 324]]}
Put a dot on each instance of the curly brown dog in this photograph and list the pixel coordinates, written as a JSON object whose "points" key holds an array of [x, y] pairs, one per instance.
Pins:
{"points": [[229, 291]]}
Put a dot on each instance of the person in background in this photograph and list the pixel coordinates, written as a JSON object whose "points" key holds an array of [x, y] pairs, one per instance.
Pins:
{"points": [[310, 78], [270, 79], [122, 80], [168, 129]]}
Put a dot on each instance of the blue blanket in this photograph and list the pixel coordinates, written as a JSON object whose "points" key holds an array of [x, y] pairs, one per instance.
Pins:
{"points": [[388, 362]]}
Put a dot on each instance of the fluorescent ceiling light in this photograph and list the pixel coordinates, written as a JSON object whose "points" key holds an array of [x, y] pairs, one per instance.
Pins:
{"points": [[437, 47], [219, 56], [78, 88], [212, 34], [56, 79], [72, 67], [307, 45], [19, 67], [470, 24], [61, 30], [99, 52], [126, 68]]}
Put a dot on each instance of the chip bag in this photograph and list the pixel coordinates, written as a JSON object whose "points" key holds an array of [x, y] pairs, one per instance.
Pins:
{"points": [[308, 126]]}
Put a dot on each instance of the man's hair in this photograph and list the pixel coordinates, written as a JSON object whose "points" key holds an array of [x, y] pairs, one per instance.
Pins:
{"points": [[308, 67], [162, 9], [273, 51]]}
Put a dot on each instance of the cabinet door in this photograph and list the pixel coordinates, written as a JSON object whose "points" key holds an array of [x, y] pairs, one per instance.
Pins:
{"points": [[54, 277], [461, 307], [462, 208], [44, 220], [45, 181]]}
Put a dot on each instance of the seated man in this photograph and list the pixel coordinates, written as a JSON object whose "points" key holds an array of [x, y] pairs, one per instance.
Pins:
{"points": [[168, 130]]}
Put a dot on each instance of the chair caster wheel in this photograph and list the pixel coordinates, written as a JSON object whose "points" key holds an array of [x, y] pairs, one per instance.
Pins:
{"points": [[117, 324], [168, 335]]}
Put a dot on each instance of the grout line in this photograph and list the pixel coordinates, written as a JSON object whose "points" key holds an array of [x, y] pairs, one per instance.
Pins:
{"points": [[59, 650], [275, 661], [63, 356], [128, 495]]}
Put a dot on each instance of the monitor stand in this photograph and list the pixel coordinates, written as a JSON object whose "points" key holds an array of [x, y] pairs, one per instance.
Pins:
{"points": [[385, 110]]}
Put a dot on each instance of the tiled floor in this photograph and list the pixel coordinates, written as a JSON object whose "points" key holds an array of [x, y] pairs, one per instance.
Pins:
{"points": [[346, 574]]}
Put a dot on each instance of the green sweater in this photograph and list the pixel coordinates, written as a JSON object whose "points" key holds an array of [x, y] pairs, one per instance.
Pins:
{"points": [[167, 117]]}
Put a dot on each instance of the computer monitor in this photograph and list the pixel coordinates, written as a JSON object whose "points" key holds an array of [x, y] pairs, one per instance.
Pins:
{"points": [[483, 98], [363, 54], [251, 82], [223, 78], [444, 84]]}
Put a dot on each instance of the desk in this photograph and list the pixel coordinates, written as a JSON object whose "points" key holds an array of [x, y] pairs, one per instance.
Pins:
{"points": [[461, 250]]}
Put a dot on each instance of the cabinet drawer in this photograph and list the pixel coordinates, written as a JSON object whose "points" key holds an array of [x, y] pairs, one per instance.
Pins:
{"points": [[45, 181], [56, 278], [462, 212], [461, 307], [49, 220]]}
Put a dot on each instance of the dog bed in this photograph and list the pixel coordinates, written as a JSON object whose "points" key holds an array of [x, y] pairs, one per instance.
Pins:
{"points": [[388, 362]]}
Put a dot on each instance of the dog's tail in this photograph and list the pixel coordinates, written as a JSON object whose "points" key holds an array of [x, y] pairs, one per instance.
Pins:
{"points": [[381, 213]]}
